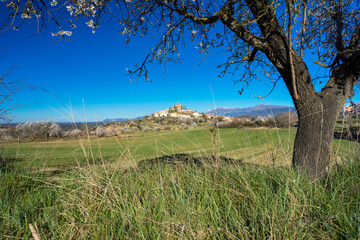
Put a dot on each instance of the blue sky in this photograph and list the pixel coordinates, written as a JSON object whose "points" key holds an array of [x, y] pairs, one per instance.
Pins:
{"points": [[88, 78]]}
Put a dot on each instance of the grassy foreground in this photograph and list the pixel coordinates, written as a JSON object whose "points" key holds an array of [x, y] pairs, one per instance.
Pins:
{"points": [[191, 199], [148, 190]]}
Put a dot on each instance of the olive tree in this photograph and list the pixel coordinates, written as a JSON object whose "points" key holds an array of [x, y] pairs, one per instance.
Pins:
{"points": [[270, 37]]}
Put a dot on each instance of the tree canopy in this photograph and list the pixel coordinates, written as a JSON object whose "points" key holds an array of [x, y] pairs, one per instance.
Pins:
{"points": [[329, 29]]}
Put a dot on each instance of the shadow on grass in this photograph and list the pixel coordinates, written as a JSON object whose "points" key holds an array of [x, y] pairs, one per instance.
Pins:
{"points": [[58, 170], [184, 160], [8, 164]]}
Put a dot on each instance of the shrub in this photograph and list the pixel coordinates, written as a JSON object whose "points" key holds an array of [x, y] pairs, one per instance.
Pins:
{"points": [[146, 129], [8, 138], [100, 131], [167, 127], [5, 134], [73, 133], [184, 126], [138, 127], [125, 130], [111, 132], [134, 129], [229, 124], [54, 130], [156, 129]]}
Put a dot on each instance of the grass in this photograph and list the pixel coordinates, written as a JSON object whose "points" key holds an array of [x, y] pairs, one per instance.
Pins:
{"points": [[166, 186], [234, 143], [260, 146], [182, 201]]}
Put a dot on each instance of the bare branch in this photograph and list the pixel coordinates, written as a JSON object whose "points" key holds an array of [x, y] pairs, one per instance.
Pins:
{"points": [[141, 70], [339, 20], [200, 20], [355, 38], [252, 56], [303, 29], [296, 96], [240, 31]]}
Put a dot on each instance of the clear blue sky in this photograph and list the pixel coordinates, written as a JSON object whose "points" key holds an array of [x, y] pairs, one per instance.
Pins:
{"points": [[87, 74]]}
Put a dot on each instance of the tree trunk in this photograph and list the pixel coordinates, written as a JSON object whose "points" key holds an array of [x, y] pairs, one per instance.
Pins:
{"points": [[317, 111], [315, 133]]}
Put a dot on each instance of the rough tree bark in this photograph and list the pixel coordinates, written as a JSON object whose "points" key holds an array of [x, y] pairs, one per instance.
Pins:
{"points": [[313, 141]]}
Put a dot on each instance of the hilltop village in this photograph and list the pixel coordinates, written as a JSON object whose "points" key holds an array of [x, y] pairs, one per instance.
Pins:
{"points": [[178, 117], [179, 111]]}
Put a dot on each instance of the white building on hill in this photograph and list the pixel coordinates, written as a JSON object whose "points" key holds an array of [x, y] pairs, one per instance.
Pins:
{"points": [[163, 113]]}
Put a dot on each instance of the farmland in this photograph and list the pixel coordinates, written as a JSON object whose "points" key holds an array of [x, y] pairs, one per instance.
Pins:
{"points": [[260, 146]]}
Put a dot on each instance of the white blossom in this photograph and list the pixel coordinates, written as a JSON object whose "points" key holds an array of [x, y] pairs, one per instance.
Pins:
{"points": [[54, 3], [90, 23], [125, 30], [73, 133], [100, 131], [11, 4], [70, 8], [25, 15], [54, 130], [158, 53], [92, 10], [62, 33]]}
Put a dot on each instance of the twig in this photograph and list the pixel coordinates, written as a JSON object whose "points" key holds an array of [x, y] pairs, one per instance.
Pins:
{"points": [[34, 232], [296, 97]]}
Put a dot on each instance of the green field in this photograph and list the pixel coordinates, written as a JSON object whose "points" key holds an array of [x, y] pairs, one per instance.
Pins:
{"points": [[165, 186], [260, 146]]}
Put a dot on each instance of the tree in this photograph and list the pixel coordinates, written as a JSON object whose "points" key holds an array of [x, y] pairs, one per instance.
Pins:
{"points": [[36, 130], [257, 34], [54, 130], [100, 131]]}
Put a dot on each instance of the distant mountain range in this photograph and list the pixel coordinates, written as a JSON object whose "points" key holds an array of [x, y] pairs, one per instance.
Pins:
{"points": [[115, 120], [120, 119], [261, 110]]}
